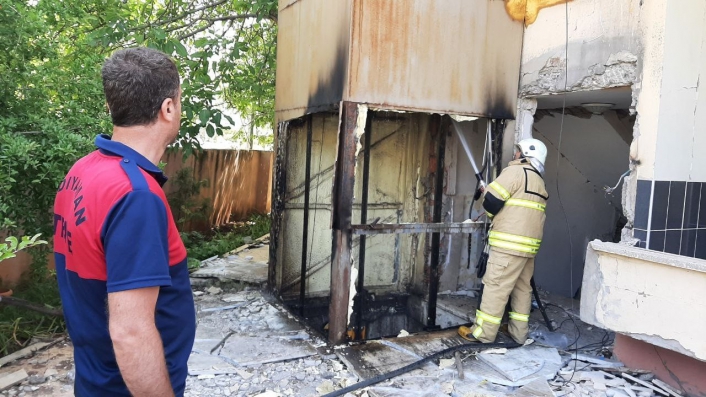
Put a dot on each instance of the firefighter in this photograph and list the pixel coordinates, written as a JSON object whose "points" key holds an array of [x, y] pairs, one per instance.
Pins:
{"points": [[515, 203]]}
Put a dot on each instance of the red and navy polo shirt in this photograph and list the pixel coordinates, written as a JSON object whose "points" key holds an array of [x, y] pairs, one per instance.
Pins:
{"points": [[114, 231]]}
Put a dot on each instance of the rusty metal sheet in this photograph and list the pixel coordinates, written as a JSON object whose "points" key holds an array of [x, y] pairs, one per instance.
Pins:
{"points": [[409, 228], [451, 56], [313, 42]]}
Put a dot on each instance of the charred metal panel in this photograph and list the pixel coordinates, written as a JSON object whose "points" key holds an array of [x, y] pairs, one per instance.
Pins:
{"points": [[312, 56], [396, 195], [451, 56], [352, 116], [318, 249], [279, 188]]}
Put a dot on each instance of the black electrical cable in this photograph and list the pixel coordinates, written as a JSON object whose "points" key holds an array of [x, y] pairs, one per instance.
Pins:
{"points": [[578, 330], [558, 192], [417, 364]]}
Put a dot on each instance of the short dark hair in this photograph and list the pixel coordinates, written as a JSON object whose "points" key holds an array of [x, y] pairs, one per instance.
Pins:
{"points": [[136, 81]]}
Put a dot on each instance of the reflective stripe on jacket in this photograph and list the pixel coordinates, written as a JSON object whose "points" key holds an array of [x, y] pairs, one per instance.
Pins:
{"points": [[516, 202]]}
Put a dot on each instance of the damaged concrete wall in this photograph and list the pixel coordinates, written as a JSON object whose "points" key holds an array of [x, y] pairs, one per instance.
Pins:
{"points": [[647, 295], [610, 44], [603, 47], [594, 155], [397, 193]]}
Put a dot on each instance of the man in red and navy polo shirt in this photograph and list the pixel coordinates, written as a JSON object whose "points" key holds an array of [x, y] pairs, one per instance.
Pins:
{"points": [[120, 262]]}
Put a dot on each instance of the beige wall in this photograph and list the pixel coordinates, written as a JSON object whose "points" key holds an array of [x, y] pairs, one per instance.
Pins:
{"points": [[647, 295]]}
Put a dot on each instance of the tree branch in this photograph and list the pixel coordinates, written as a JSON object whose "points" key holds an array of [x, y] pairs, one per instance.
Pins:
{"points": [[182, 15], [6, 300]]}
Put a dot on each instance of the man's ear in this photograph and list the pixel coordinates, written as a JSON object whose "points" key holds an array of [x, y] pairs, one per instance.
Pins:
{"points": [[168, 110]]}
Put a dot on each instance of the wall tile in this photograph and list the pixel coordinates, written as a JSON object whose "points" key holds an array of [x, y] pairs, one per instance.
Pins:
{"points": [[672, 241], [675, 215], [691, 205], [657, 240], [688, 242], [640, 234], [642, 203], [660, 201], [702, 209], [701, 243]]}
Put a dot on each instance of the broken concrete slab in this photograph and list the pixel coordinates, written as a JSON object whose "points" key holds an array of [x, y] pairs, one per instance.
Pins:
{"points": [[12, 379], [536, 388], [513, 366], [645, 384], [249, 267], [203, 363], [23, 353], [234, 269], [524, 364], [249, 351], [666, 388]]}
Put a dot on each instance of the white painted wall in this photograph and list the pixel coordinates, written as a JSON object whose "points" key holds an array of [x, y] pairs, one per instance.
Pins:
{"points": [[682, 113]]}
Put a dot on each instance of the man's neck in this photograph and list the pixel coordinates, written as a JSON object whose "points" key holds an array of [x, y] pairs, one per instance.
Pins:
{"points": [[142, 140]]}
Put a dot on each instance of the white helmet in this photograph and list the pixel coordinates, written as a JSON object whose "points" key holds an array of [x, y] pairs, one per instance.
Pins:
{"points": [[533, 148]]}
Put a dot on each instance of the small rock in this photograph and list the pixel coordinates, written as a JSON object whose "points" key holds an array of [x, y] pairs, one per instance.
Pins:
{"points": [[268, 393], [206, 376], [300, 376], [646, 377], [36, 380], [248, 258], [51, 372], [325, 387], [214, 290], [198, 293]]}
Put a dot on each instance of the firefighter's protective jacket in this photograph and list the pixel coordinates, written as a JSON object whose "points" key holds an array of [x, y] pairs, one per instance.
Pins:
{"points": [[516, 202]]}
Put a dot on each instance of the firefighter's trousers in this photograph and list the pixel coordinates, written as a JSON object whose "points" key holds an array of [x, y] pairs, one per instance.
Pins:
{"points": [[507, 276]]}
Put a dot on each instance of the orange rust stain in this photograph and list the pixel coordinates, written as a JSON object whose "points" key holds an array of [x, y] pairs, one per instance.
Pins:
{"points": [[528, 10]]}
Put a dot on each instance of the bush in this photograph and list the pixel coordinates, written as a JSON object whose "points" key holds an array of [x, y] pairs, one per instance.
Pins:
{"points": [[200, 246]]}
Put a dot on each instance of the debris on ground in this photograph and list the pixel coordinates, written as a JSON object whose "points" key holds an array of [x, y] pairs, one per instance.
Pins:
{"points": [[249, 345]]}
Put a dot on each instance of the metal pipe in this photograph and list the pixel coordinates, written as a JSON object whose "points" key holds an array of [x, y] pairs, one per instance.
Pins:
{"points": [[363, 219], [305, 231], [467, 148], [342, 200], [436, 237]]}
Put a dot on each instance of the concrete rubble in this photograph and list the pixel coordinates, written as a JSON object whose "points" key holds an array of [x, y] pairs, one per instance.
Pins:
{"points": [[247, 344]]}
